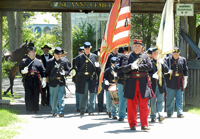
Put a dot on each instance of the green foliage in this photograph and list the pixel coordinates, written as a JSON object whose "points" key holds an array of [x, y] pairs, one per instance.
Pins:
{"points": [[82, 33], [192, 109], [8, 96], [8, 126], [142, 26], [197, 20], [5, 35], [8, 66]]}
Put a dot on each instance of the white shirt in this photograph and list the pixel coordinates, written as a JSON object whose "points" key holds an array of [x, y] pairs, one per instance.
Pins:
{"points": [[46, 57]]}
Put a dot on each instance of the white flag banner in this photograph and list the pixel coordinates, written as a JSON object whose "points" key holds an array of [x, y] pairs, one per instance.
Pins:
{"points": [[165, 39]]}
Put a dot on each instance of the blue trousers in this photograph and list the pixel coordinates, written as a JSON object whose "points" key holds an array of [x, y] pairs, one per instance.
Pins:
{"points": [[57, 99], [122, 101], [157, 104], [83, 99], [100, 97], [109, 105], [174, 95]]}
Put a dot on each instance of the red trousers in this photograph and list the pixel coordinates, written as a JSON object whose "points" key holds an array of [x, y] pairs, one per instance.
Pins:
{"points": [[132, 108]]}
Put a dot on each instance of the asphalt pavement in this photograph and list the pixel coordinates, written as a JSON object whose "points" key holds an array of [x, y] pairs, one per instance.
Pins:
{"points": [[44, 126]]}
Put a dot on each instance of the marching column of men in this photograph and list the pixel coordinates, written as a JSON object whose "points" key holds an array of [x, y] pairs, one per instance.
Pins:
{"points": [[134, 75]]}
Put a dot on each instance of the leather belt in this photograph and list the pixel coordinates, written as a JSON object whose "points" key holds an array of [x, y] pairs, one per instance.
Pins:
{"points": [[32, 73], [177, 74], [138, 75]]}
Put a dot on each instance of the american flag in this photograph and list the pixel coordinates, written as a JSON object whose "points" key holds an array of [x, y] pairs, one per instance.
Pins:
{"points": [[117, 32]]}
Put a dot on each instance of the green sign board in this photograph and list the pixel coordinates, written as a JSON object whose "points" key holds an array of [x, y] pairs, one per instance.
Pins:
{"points": [[78, 5]]}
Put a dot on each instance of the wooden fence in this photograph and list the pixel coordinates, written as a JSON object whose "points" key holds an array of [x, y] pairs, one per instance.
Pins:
{"points": [[192, 91]]}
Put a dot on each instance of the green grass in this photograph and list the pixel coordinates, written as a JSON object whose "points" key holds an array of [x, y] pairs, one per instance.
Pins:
{"points": [[8, 96], [9, 123], [192, 109]]}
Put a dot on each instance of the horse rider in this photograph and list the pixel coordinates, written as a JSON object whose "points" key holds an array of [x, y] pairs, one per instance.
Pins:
{"points": [[45, 57], [31, 68], [137, 88], [87, 67], [57, 69], [176, 82], [109, 79], [157, 103]]}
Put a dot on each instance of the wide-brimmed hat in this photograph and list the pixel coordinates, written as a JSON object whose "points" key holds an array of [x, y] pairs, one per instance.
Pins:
{"points": [[46, 46]]}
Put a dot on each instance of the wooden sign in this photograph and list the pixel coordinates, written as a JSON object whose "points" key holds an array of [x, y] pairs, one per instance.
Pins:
{"points": [[82, 5]]}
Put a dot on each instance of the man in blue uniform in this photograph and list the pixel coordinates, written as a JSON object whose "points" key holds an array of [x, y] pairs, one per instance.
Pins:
{"points": [[87, 67], [109, 79], [176, 82], [120, 85], [57, 68], [74, 78], [31, 68], [137, 87], [157, 103], [45, 57]]}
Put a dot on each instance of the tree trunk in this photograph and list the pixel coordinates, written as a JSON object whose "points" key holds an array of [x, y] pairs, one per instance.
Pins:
{"points": [[192, 34], [67, 35], [12, 30], [149, 32], [19, 29], [1, 31]]}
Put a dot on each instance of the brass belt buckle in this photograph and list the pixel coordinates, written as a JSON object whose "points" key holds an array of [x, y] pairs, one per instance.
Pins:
{"points": [[58, 78], [138, 75], [86, 73], [113, 81], [176, 74], [32, 73]]}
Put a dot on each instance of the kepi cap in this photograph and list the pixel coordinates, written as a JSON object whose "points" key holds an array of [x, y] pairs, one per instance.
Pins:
{"points": [[31, 47], [81, 49], [138, 41], [176, 49], [87, 45], [57, 50]]}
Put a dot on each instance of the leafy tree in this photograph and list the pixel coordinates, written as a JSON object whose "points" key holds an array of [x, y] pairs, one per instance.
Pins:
{"points": [[82, 33]]}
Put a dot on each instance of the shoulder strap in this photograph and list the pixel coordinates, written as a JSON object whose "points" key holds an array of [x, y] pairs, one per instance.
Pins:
{"points": [[90, 62]]}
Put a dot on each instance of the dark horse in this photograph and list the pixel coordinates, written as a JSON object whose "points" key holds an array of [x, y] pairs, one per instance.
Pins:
{"points": [[16, 56]]}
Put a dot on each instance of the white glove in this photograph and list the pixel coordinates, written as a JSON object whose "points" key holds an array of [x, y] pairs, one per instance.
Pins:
{"points": [[115, 74], [155, 75], [44, 82], [106, 82], [185, 81], [62, 72], [160, 60], [169, 72], [96, 64], [72, 73], [25, 70], [134, 65]]}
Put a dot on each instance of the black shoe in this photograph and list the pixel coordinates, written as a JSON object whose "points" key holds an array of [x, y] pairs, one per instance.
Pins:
{"points": [[109, 114], [114, 117], [82, 113], [13, 95], [145, 128], [121, 119], [133, 128], [86, 111], [153, 120], [100, 110], [61, 115], [28, 112], [161, 118], [43, 103], [78, 110], [91, 114], [54, 114], [180, 116], [169, 115]]}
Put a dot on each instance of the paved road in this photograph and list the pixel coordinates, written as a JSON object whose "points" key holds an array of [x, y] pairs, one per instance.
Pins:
{"points": [[43, 126]]}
